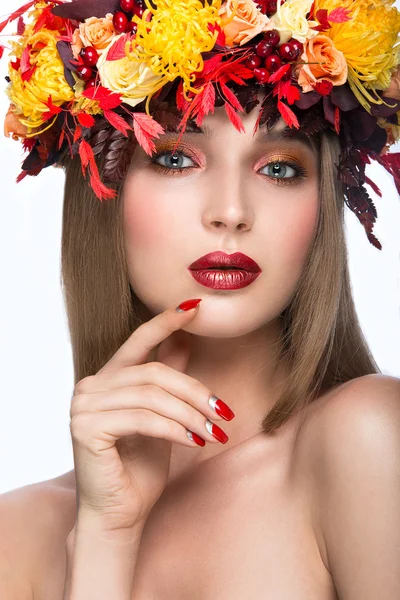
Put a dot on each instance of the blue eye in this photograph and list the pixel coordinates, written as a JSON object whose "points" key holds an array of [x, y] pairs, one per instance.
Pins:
{"points": [[281, 170], [172, 160]]}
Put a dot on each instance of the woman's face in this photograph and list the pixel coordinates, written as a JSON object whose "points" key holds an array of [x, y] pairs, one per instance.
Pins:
{"points": [[230, 195]]}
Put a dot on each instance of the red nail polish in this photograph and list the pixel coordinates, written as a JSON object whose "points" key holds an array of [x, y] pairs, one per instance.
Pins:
{"points": [[188, 304], [216, 432], [223, 410], [195, 438]]}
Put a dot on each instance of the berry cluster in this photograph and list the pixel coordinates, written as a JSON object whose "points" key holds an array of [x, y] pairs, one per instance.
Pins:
{"points": [[122, 22], [122, 19], [268, 58]]}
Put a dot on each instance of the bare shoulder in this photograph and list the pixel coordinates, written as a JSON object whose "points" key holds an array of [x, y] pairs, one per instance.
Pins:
{"points": [[350, 447], [34, 522]]}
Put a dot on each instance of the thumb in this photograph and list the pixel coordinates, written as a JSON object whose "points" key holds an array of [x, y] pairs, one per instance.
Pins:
{"points": [[174, 351]]}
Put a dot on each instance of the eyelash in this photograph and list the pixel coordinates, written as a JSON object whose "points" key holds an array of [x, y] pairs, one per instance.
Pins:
{"points": [[301, 173]]}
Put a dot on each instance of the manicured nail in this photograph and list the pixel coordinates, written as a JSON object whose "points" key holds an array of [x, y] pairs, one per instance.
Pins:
{"points": [[221, 408], [216, 432], [193, 437], [188, 305]]}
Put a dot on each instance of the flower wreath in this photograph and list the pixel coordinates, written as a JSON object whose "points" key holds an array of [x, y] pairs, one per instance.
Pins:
{"points": [[84, 76]]}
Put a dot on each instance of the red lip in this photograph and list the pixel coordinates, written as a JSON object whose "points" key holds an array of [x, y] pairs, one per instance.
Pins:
{"points": [[221, 259]]}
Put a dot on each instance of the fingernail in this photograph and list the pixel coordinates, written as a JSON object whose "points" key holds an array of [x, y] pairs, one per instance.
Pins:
{"points": [[193, 437], [216, 432], [221, 408], [188, 305]]}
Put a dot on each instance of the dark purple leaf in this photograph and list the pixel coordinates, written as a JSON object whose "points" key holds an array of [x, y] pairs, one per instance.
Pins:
{"points": [[83, 9], [65, 52], [343, 97], [329, 109], [307, 99], [380, 110]]}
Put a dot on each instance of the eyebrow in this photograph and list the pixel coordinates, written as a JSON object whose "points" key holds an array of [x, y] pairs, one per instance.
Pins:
{"points": [[287, 134]]}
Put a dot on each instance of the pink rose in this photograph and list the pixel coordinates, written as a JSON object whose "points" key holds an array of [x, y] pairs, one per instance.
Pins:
{"points": [[246, 24]]}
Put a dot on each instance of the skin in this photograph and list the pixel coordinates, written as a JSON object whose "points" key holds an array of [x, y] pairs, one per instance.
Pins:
{"points": [[230, 201]]}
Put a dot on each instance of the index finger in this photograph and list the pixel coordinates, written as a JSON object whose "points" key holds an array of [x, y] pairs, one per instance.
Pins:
{"points": [[136, 349]]}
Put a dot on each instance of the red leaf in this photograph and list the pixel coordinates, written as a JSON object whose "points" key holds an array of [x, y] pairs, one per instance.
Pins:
{"points": [[145, 129], [234, 118], [117, 50], [339, 15], [28, 74], [25, 59], [337, 119], [61, 139], [117, 121], [85, 119], [17, 14], [205, 103], [277, 76], [221, 38], [231, 97], [111, 101], [87, 158], [210, 65], [103, 94], [181, 102], [20, 26], [77, 133], [53, 109], [288, 115], [374, 186], [322, 17], [323, 87], [16, 64], [293, 94], [1, 51]]}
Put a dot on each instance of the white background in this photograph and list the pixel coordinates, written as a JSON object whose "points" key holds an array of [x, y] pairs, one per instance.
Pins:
{"points": [[36, 360]]}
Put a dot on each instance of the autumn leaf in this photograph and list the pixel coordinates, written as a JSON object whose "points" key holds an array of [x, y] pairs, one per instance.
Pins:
{"points": [[106, 98], [117, 50], [277, 76], [231, 97], [1, 51], [77, 133], [288, 115], [117, 121], [16, 14], [85, 119], [205, 103], [234, 118], [145, 129], [323, 87], [339, 15], [88, 160], [53, 109]]}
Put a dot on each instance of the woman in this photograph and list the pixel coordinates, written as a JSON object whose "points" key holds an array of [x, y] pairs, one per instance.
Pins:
{"points": [[156, 506]]}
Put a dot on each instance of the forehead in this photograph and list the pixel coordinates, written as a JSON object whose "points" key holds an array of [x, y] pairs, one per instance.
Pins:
{"points": [[170, 117]]}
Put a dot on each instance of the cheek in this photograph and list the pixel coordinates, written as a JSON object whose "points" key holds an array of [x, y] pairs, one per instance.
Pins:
{"points": [[291, 234]]}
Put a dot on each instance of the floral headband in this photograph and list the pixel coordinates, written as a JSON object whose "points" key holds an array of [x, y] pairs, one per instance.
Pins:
{"points": [[84, 76]]}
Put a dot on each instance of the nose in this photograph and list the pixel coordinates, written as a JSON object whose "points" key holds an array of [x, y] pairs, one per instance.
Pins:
{"points": [[227, 206]]}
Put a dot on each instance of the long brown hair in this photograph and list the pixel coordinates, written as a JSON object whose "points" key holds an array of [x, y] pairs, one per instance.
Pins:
{"points": [[321, 341]]}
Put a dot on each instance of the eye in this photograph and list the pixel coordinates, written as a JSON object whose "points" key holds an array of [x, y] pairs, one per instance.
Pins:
{"points": [[173, 160], [283, 170]]}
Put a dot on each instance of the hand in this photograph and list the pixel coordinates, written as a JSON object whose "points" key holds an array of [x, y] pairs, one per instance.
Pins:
{"points": [[124, 418]]}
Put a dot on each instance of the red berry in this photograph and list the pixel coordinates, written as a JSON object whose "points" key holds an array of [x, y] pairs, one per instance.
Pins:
{"points": [[127, 5], [261, 74], [138, 10], [91, 83], [85, 72], [273, 63], [272, 37], [287, 51], [131, 27], [271, 7], [89, 56], [253, 61], [298, 47], [120, 21], [264, 49]]}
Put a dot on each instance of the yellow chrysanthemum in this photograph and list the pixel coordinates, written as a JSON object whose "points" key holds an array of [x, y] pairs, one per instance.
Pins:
{"points": [[369, 41], [172, 42], [29, 96]]}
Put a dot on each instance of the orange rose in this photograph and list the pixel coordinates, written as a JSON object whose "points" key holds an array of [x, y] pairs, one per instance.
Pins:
{"points": [[94, 31], [246, 24], [393, 91], [333, 64], [13, 125]]}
